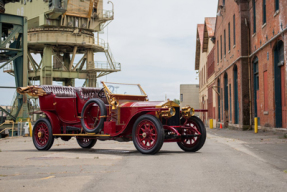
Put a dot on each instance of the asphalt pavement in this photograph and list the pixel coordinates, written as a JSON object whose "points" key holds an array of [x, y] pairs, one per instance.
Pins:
{"points": [[229, 161]]}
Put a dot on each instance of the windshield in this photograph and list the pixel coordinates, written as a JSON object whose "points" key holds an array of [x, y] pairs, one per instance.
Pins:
{"points": [[125, 89]]}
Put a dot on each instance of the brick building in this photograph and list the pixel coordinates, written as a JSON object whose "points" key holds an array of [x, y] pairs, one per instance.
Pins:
{"points": [[204, 63], [250, 68], [268, 40]]}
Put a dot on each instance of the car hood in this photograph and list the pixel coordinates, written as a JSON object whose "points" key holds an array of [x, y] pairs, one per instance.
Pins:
{"points": [[156, 104]]}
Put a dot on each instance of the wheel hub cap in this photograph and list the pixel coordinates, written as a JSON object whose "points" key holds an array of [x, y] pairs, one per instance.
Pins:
{"points": [[40, 134]]}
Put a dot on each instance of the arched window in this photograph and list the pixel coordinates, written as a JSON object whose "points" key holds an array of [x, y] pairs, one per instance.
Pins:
{"points": [[218, 97], [256, 84], [235, 94], [279, 84]]}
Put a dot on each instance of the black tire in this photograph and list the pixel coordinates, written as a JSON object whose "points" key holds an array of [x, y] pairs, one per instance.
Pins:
{"points": [[157, 127], [103, 112], [86, 143], [43, 138], [200, 140]]}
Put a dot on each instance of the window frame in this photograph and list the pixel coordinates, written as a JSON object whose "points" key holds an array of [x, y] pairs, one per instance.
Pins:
{"points": [[276, 5], [224, 42], [254, 16], [229, 43], [264, 17], [234, 31], [221, 47]]}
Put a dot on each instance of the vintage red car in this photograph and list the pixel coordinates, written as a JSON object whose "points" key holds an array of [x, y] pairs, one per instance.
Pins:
{"points": [[119, 112]]}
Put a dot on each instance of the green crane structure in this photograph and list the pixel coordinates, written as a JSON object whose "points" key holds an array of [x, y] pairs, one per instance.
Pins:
{"points": [[59, 32]]}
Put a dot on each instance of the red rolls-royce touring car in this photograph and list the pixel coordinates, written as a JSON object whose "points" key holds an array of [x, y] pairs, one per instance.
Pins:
{"points": [[119, 112]]}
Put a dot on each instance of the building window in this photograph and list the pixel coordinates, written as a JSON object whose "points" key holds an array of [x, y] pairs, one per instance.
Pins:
{"points": [[221, 47], [265, 81], [224, 42], [223, 2], [181, 97], [264, 11], [254, 16], [229, 36], [276, 5], [234, 39], [217, 52]]}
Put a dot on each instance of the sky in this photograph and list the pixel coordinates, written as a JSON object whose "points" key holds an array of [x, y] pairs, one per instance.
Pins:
{"points": [[155, 42]]}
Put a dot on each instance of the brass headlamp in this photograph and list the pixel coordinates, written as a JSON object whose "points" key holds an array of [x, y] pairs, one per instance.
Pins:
{"points": [[168, 113], [187, 112]]}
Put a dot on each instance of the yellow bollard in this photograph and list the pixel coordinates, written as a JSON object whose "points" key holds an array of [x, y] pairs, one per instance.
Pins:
{"points": [[211, 123], [30, 128], [255, 125]]}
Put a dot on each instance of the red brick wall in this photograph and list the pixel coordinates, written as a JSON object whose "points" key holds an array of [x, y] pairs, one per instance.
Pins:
{"points": [[234, 56], [264, 33], [210, 63]]}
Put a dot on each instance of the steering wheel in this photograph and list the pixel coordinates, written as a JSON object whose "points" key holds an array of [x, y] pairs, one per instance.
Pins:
{"points": [[111, 88], [101, 93]]}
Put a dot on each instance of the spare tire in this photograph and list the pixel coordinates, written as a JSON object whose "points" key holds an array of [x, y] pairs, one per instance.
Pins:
{"points": [[93, 115]]}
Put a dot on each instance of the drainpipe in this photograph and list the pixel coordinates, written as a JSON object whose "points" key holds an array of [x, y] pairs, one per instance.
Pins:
{"points": [[249, 75]]}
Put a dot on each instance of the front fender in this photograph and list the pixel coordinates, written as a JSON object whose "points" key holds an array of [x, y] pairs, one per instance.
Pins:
{"points": [[129, 126]]}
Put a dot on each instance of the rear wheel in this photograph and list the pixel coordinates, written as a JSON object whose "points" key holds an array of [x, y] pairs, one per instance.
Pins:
{"points": [[86, 143], [192, 144], [148, 134], [42, 135]]}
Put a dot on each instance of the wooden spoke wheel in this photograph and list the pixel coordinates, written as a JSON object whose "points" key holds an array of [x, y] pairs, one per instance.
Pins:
{"points": [[148, 134], [193, 144], [42, 135], [86, 143]]}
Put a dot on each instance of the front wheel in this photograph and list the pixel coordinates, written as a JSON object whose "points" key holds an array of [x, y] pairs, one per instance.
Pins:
{"points": [[86, 143], [42, 135], [148, 134], [192, 144]]}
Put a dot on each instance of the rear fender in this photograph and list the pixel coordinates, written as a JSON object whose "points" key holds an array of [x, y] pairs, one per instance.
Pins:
{"points": [[55, 122]]}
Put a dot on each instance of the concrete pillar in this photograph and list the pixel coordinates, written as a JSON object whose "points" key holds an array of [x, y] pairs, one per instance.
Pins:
{"points": [[92, 80], [90, 59], [67, 61], [46, 76]]}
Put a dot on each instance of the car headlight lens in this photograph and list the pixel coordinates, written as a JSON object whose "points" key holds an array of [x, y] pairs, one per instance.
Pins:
{"points": [[172, 111]]}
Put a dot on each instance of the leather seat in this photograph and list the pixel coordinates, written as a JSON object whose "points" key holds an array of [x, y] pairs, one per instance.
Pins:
{"points": [[66, 91], [90, 92], [59, 91]]}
